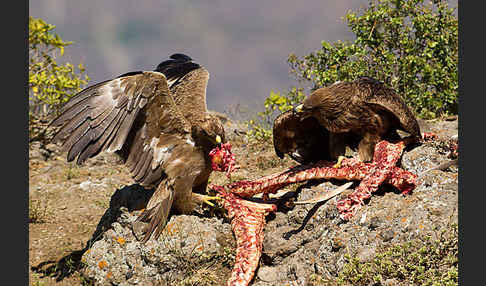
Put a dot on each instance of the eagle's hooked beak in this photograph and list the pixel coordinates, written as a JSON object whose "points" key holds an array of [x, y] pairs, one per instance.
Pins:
{"points": [[298, 108], [300, 112], [218, 139]]}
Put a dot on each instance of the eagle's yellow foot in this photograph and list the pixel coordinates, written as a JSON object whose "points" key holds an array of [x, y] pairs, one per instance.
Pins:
{"points": [[207, 199], [339, 161]]}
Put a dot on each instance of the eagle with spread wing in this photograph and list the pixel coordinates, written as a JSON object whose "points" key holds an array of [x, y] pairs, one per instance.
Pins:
{"points": [[158, 122], [357, 114]]}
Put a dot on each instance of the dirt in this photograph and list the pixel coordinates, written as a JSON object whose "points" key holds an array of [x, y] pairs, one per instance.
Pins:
{"points": [[76, 208]]}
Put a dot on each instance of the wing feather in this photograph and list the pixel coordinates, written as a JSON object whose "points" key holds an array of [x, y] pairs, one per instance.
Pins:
{"points": [[102, 136], [157, 210], [188, 83], [75, 121], [83, 95], [191, 91], [140, 162], [383, 97], [144, 165], [136, 150], [125, 126], [75, 137], [101, 117]]}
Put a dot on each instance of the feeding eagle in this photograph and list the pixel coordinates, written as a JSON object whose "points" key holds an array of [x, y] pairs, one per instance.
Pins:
{"points": [[357, 114], [158, 122]]}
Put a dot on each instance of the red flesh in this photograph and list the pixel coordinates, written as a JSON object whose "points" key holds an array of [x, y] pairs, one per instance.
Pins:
{"points": [[428, 136], [222, 159], [247, 222], [385, 158], [351, 169]]}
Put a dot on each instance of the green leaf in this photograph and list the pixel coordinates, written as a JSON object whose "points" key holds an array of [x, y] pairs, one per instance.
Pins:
{"points": [[326, 45]]}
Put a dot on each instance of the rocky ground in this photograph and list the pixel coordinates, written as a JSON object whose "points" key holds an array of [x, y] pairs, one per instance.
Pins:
{"points": [[80, 222]]}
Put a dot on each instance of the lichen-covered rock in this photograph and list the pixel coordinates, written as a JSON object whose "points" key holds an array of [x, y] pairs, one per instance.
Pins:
{"points": [[188, 244], [118, 258]]}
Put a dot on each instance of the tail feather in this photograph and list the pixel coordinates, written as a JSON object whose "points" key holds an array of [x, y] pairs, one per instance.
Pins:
{"points": [[157, 211]]}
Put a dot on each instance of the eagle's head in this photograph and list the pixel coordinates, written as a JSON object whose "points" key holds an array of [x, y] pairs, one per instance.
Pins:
{"points": [[320, 99], [303, 112], [209, 133]]}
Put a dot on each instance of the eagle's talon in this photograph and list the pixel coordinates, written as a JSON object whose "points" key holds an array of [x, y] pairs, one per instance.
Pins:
{"points": [[339, 161], [207, 199]]}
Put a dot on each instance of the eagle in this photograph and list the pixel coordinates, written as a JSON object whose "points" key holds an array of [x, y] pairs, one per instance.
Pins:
{"points": [[357, 114], [158, 123]]}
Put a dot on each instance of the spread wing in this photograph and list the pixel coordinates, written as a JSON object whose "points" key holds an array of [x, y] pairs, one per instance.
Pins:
{"points": [[188, 82], [304, 140], [134, 115]]}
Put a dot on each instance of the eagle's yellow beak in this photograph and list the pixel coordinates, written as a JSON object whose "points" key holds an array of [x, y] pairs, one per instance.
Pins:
{"points": [[218, 139], [299, 108]]}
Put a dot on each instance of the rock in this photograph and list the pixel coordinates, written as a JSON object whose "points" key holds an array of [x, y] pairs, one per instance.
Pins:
{"points": [[275, 245], [375, 222], [366, 254], [89, 185], [38, 152], [269, 274], [42, 152], [387, 235], [54, 149], [421, 159], [118, 258], [339, 241]]}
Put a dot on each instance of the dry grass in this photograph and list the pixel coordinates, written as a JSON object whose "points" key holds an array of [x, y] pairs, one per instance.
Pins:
{"points": [[39, 211]]}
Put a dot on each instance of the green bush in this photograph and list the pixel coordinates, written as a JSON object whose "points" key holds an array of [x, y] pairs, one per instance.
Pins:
{"points": [[261, 127], [410, 45], [50, 84]]}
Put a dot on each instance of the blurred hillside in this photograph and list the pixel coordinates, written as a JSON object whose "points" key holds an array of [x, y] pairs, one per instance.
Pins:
{"points": [[244, 44]]}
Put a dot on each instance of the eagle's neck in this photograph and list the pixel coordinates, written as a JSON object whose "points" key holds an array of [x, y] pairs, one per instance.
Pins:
{"points": [[201, 141]]}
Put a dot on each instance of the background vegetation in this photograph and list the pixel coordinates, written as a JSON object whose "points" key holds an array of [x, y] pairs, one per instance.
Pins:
{"points": [[50, 84], [261, 128], [411, 45]]}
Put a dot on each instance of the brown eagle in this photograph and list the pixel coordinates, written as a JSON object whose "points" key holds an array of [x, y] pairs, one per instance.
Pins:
{"points": [[357, 114], [158, 122]]}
